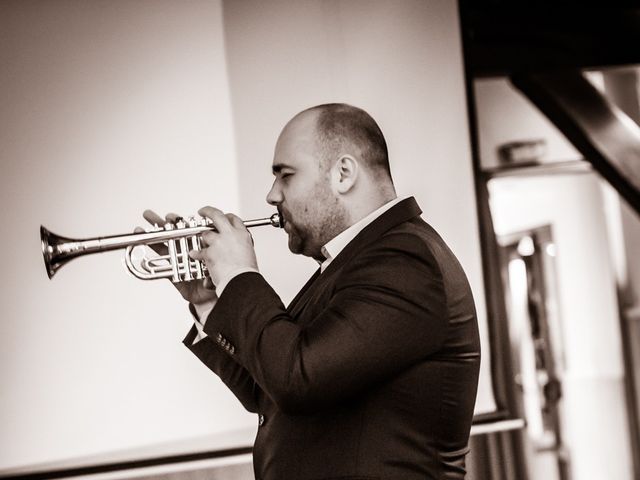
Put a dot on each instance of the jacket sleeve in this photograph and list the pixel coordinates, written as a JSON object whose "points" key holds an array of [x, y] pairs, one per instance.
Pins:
{"points": [[387, 312], [237, 379]]}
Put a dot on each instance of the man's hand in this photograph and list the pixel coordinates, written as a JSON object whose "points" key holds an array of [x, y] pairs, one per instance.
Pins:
{"points": [[194, 291], [229, 248]]}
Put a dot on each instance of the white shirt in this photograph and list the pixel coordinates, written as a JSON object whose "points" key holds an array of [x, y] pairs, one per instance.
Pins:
{"points": [[334, 246], [330, 250]]}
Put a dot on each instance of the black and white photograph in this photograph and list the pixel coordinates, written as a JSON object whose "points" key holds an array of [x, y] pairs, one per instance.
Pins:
{"points": [[319, 240]]}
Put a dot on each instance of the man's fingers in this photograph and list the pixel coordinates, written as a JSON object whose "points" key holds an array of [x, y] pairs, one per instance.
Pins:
{"points": [[208, 283], [153, 218], [197, 255], [219, 220], [235, 220], [172, 217], [207, 238]]}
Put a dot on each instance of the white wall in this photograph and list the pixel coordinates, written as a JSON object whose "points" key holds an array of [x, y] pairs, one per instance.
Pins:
{"points": [[506, 115], [401, 61], [594, 418], [106, 108]]}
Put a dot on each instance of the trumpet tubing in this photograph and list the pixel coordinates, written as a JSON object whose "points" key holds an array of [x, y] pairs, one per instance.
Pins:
{"points": [[175, 264]]}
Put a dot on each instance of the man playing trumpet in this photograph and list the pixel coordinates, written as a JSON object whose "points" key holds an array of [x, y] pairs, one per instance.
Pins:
{"points": [[372, 370]]}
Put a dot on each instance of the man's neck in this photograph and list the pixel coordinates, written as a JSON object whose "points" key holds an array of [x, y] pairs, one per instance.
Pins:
{"points": [[361, 209], [334, 246]]}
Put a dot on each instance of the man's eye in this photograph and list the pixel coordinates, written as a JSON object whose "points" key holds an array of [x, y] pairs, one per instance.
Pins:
{"points": [[285, 175]]}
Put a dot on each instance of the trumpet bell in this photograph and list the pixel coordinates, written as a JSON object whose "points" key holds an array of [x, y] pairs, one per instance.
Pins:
{"points": [[49, 242]]}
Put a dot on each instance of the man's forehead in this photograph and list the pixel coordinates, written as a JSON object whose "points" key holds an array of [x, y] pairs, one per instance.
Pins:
{"points": [[300, 129], [296, 146]]}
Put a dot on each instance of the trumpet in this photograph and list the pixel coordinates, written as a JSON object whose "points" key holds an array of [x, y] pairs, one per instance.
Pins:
{"points": [[176, 265]]}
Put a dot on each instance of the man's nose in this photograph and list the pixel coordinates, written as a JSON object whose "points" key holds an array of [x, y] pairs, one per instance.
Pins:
{"points": [[274, 197]]}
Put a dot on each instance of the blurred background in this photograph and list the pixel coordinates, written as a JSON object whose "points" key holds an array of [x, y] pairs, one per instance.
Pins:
{"points": [[515, 129]]}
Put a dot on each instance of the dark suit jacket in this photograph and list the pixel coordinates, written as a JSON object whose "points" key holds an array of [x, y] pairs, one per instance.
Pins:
{"points": [[370, 373]]}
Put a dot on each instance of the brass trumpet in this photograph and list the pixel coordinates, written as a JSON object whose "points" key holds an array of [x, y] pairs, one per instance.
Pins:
{"points": [[179, 238]]}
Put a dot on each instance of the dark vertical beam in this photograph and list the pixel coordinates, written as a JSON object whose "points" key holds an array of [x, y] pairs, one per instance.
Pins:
{"points": [[501, 374], [512, 451]]}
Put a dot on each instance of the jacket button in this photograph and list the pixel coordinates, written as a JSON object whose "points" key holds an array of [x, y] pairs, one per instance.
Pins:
{"points": [[260, 420], [219, 338], [232, 350]]}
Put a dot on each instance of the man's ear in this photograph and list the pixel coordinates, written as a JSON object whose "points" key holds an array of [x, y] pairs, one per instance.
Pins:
{"points": [[346, 173]]}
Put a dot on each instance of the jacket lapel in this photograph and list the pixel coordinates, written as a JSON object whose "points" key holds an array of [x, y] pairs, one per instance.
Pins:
{"points": [[302, 291], [399, 213]]}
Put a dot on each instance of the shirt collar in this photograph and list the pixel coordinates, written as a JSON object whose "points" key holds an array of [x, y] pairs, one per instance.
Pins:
{"points": [[333, 247]]}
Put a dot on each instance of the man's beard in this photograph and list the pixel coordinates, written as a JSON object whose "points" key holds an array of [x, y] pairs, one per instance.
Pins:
{"points": [[324, 218]]}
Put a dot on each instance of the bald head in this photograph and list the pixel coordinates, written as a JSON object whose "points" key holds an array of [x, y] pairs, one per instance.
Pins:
{"points": [[344, 129]]}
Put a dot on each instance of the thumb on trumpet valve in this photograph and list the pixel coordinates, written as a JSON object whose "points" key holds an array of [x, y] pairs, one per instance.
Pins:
{"points": [[199, 255]]}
